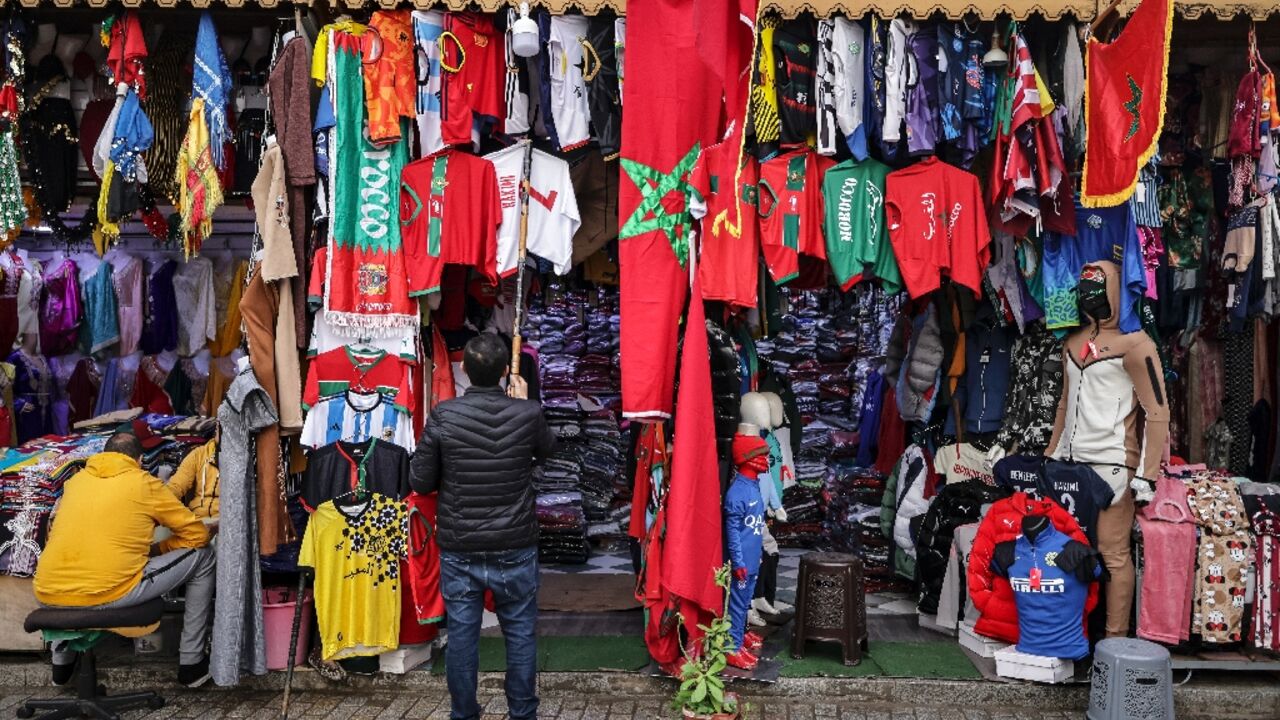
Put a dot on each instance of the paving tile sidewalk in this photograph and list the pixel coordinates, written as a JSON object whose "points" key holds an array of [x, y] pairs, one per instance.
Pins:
{"points": [[228, 704]]}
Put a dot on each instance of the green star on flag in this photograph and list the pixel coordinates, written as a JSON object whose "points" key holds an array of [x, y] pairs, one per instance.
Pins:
{"points": [[650, 214], [1133, 107]]}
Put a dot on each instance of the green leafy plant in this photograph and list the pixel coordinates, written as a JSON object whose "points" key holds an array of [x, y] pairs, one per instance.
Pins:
{"points": [[701, 691]]}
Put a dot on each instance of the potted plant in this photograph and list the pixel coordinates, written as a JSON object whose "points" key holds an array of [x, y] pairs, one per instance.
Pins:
{"points": [[702, 695]]}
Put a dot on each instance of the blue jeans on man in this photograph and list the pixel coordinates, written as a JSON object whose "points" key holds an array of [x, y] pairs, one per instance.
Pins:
{"points": [[512, 576]]}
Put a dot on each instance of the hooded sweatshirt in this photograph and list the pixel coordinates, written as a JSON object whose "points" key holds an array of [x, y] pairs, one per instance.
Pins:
{"points": [[1097, 419], [101, 534]]}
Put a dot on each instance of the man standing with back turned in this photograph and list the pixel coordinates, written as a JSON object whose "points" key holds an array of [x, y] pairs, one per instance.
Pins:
{"points": [[478, 451]]}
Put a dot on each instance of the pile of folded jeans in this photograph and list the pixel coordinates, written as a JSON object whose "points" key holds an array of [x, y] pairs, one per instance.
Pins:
{"points": [[852, 497]]}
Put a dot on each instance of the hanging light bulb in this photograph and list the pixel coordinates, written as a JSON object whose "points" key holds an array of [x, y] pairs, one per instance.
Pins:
{"points": [[524, 34], [996, 57]]}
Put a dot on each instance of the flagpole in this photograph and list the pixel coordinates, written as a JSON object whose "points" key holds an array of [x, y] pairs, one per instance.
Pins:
{"points": [[526, 173]]}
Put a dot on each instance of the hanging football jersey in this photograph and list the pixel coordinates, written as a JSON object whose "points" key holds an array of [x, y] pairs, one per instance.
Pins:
{"points": [[763, 121], [356, 417], [603, 90], [365, 268], [937, 222], [450, 212], [472, 84], [790, 208], [355, 551], [569, 105], [795, 46], [423, 579], [517, 85], [826, 90], [335, 470], [857, 239], [428, 25], [848, 56], [553, 209], [389, 80], [729, 261], [362, 369]]}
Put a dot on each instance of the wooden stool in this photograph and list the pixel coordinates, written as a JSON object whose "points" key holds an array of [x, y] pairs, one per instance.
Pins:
{"points": [[830, 605]]}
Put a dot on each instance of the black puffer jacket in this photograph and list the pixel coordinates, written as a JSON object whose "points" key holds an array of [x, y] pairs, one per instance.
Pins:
{"points": [[478, 452], [956, 504]]}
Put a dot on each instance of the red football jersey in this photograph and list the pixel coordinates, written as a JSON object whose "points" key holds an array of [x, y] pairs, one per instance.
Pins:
{"points": [[937, 223], [727, 264]]}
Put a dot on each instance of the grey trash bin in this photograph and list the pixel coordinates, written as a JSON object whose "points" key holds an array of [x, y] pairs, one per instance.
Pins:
{"points": [[1132, 680]]}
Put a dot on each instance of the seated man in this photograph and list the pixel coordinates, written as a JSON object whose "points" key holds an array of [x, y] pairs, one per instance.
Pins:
{"points": [[99, 548], [195, 482]]}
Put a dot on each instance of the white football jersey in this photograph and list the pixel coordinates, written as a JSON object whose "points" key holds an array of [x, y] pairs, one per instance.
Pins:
{"points": [[569, 107], [553, 209]]}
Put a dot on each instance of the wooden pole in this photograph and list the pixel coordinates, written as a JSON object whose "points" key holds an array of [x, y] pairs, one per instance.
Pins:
{"points": [[517, 337]]}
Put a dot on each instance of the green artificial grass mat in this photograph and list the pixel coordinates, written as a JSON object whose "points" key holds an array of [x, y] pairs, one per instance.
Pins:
{"points": [[886, 659], [567, 654], [924, 660], [822, 659]]}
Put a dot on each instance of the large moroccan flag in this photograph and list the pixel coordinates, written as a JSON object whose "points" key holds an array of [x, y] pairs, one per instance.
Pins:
{"points": [[1124, 103], [670, 111]]}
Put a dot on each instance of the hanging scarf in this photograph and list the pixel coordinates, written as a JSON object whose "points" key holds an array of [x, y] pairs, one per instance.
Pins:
{"points": [[211, 82], [126, 49], [131, 137], [199, 191]]}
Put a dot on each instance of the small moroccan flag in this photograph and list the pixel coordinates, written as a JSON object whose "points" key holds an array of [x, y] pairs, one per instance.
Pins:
{"points": [[1124, 103]]}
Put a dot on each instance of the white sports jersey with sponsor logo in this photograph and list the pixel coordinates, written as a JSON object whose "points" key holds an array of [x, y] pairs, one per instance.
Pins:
{"points": [[569, 107], [553, 209]]}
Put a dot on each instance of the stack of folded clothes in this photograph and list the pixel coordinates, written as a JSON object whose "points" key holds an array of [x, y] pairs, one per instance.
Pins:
{"points": [[583, 491], [826, 345]]}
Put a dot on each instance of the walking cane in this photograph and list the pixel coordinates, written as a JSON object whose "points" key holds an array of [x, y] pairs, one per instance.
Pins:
{"points": [[293, 641], [526, 175]]}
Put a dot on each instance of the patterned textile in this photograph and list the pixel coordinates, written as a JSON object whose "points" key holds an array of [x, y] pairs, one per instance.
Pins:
{"points": [[1222, 560], [1266, 602]]}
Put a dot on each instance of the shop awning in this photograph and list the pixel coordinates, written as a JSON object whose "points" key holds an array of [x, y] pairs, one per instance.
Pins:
{"points": [[954, 9]]}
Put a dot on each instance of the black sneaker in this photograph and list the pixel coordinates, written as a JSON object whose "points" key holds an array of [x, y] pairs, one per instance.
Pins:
{"points": [[62, 674], [194, 675]]}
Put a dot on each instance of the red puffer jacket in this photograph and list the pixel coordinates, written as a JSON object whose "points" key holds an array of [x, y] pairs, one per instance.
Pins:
{"points": [[991, 594]]}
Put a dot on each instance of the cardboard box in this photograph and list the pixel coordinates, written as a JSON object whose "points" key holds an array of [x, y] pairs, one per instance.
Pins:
{"points": [[1012, 664], [404, 658], [977, 644]]}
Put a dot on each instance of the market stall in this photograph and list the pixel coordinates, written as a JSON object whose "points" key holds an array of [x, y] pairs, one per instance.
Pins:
{"points": [[892, 221]]}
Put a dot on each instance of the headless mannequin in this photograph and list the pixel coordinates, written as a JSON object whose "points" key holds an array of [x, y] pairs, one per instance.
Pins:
{"points": [[259, 45], [1033, 525], [1110, 375], [233, 46], [66, 48], [46, 37]]}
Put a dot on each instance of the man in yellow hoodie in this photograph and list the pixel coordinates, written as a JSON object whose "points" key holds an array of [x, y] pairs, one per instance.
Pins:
{"points": [[100, 554]]}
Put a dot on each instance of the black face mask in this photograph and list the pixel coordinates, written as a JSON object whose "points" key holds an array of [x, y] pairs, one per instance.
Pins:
{"points": [[1091, 298]]}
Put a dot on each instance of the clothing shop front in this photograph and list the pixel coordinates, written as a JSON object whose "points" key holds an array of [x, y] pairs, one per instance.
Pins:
{"points": [[1024, 377]]}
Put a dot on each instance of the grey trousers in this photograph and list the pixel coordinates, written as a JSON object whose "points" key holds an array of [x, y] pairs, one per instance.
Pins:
{"points": [[165, 573]]}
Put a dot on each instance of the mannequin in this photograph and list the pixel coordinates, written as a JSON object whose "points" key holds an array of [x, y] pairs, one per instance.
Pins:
{"points": [[259, 45], [765, 603], [778, 420], [1110, 375], [66, 48], [755, 414], [1050, 575], [46, 38], [744, 526], [232, 46]]}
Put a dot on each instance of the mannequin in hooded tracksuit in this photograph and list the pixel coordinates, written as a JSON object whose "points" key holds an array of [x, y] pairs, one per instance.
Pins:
{"points": [[744, 533]]}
